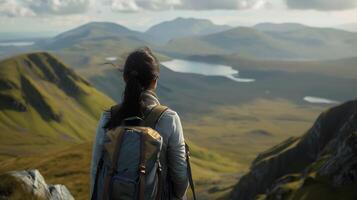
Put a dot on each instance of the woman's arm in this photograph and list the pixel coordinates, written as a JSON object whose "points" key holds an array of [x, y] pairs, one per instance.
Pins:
{"points": [[97, 150], [177, 164]]}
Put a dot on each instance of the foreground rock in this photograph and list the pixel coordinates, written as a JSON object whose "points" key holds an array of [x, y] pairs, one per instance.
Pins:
{"points": [[30, 184], [322, 164]]}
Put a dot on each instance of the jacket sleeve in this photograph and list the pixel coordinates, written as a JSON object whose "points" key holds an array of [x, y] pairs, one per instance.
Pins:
{"points": [[97, 150], [176, 154]]}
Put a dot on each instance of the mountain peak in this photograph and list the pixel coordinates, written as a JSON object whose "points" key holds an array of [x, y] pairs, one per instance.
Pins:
{"points": [[88, 32], [108, 25], [182, 27]]}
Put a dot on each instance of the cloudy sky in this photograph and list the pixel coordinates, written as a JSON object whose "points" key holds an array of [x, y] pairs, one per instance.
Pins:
{"points": [[61, 15]]}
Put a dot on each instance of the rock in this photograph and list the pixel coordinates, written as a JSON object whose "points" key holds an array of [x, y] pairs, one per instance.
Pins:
{"points": [[30, 184], [324, 157]]}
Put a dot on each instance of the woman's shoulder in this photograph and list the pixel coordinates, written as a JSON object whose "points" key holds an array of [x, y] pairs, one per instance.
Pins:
{"points": [[169, 114], [168, 120]]}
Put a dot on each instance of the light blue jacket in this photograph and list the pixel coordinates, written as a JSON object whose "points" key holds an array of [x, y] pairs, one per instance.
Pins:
{"points": [[173, 157]]}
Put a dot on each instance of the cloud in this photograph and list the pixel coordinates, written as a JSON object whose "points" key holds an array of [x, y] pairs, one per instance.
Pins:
{"points": [[136, 5], [25, 8], [12, 8], [57, 6], [322, 4]]}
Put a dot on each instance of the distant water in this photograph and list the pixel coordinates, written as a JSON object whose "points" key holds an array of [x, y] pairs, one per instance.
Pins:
{"points": [[111, 59], [186, 66], [319, 100], [16, 44]]}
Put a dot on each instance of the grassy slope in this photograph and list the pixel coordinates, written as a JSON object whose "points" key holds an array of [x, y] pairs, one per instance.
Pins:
{"points": [[52, 113], [241, 132], [70, 166]]}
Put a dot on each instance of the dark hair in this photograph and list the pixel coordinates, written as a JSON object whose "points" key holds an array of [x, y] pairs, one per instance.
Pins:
{"points": [[140, 69]]}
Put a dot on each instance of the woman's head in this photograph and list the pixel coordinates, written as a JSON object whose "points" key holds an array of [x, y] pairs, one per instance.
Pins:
{"points": [[141, 71], [143, 67]]}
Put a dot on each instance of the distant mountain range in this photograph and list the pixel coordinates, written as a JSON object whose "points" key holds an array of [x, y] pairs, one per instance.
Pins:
{"points": [[185, 37], [270, 41]]}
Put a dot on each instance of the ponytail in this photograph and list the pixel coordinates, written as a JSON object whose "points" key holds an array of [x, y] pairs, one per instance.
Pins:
{"points": [[141, 68]]}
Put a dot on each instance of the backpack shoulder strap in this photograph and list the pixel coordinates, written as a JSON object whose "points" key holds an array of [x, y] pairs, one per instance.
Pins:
{"points": [[154, 115], [189, 171]]}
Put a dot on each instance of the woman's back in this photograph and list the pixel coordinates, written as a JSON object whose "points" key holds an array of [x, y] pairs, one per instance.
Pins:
{"points": [[141, 72]]}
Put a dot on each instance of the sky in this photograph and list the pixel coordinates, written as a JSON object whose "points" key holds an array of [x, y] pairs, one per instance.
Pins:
{"points": [[61, 15]]}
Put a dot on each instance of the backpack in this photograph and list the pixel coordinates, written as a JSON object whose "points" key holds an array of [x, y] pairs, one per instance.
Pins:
{"points": [[130, 167]]}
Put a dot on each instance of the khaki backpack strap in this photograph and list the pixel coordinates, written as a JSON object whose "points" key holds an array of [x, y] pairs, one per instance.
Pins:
{"points": [[142, 167], [189, 171], [154, 115], [114, 166], [99, 169]]}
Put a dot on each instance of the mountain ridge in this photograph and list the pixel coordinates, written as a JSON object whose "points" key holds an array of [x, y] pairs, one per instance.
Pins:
{"points": [[323, 158]]}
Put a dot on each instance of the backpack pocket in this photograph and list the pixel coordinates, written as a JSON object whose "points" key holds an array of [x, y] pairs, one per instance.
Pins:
{"points": [[123, 188]]}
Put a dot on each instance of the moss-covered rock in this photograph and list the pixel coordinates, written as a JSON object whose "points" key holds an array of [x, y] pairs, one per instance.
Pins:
{"points": [[30, 185]]}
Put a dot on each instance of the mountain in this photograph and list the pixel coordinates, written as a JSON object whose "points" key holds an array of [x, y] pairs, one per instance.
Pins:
{"points": [[183, 27], [92, 32], [321, 164], [286, 42], [284, 27], [44, 104]]}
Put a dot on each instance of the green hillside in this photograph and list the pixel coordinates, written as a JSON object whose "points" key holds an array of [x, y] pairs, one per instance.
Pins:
{"points": [[44, 103]]}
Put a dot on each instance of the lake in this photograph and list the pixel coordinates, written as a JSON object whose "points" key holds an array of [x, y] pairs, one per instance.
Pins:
{"points": [[111, 59], [319, 100], [207, 69]]}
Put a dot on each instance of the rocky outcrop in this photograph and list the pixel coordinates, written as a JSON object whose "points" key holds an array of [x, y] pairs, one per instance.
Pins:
{"points": [[30, 184], [324, 158]]}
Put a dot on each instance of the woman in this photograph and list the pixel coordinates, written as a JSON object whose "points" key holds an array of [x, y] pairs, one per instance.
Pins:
{"points": [[141, 72]]}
